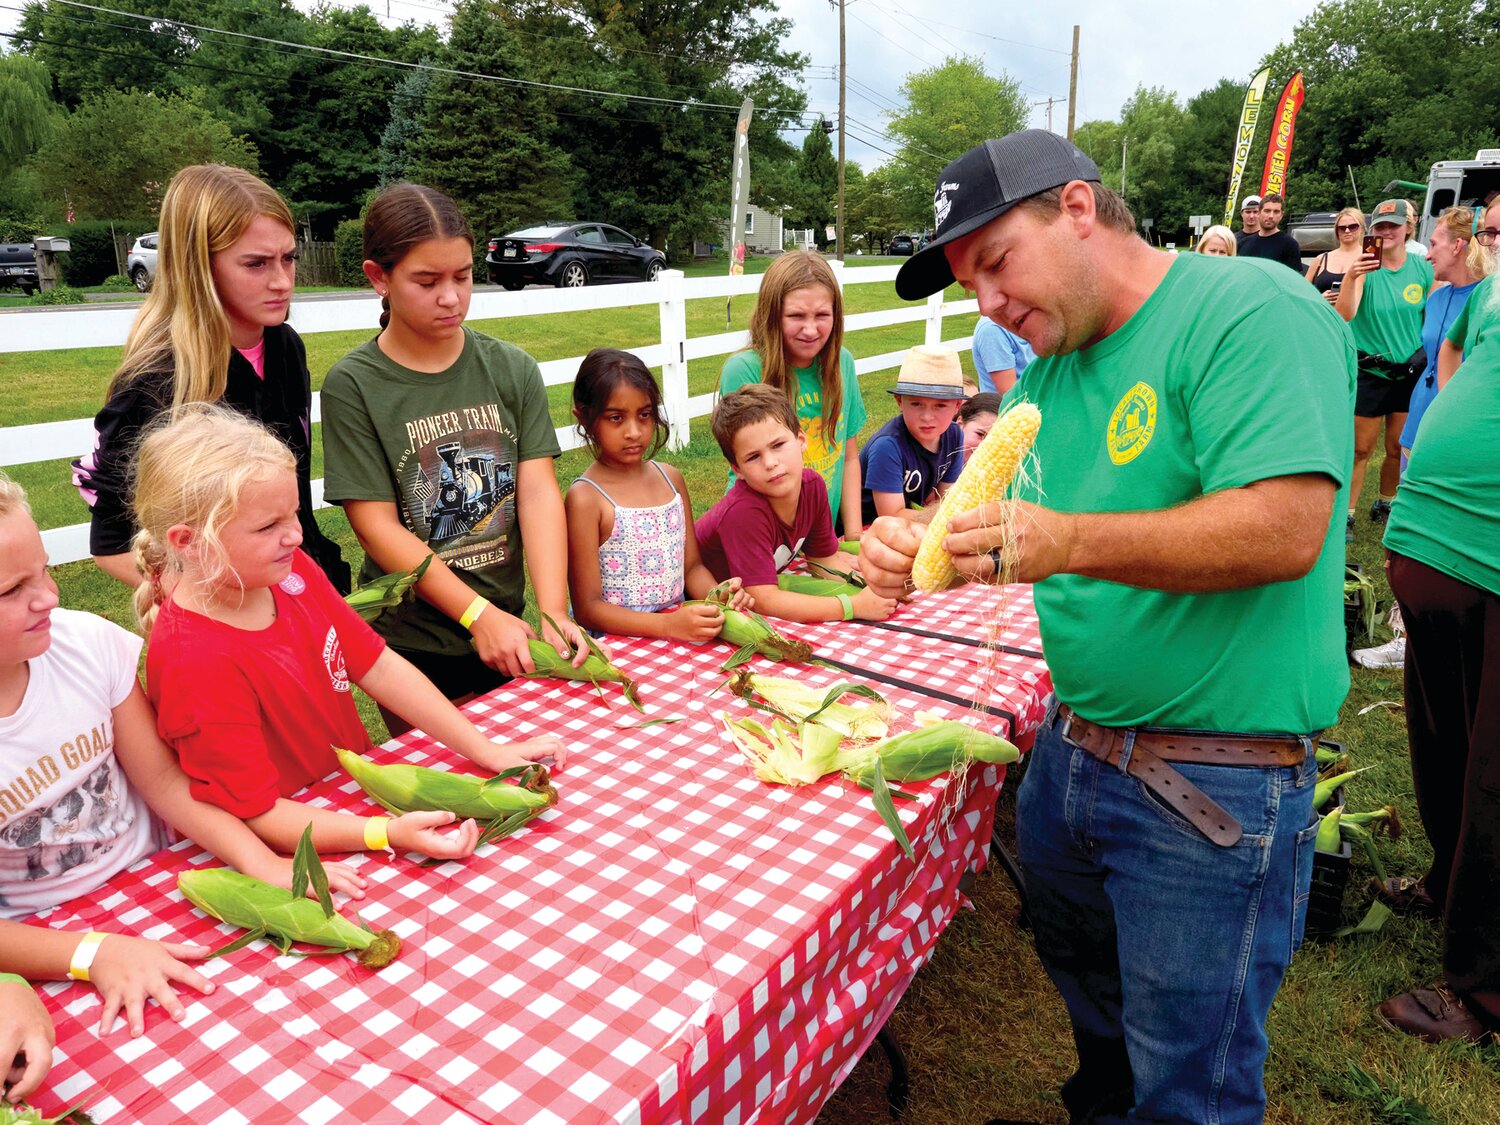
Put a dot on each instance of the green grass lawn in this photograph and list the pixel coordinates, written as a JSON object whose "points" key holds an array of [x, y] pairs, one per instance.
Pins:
{"points": [[983, 1029]]}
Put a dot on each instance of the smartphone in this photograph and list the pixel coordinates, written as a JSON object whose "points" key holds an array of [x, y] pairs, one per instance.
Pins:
{"points": [[1375, 245]]}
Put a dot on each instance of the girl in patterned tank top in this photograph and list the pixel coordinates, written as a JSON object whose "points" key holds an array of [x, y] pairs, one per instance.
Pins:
{"points": [[631, 548]]}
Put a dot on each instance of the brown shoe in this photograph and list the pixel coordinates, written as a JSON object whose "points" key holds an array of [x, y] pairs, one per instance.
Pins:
{"points": [[1406, 895], [1435, 1014]]}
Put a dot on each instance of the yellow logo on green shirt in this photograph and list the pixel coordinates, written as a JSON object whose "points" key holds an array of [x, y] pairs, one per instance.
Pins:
{"points": [[1413, 293], [1132, 424]]}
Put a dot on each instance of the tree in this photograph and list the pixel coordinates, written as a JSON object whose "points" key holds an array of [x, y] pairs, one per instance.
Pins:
{"points": [[117, 152], [948, 110], [872, 210], [26, 108], [403, 125], [818, 181], [91, 53]]}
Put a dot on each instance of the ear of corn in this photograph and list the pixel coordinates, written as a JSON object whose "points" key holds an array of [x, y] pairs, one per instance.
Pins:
{"points": [[1326, 788], [285, 917], [816, 586], [850, 545], [799, 703], [986, 476], [754, 631], [386, 592], [551, 664], [1328, 839], [922, 754], [779, 758], [494, 802]]}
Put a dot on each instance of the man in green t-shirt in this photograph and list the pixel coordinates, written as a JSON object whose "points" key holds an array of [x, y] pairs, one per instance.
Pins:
{"points": [[1181, 534]]}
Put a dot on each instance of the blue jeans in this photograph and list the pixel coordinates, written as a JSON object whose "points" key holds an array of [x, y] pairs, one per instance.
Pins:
{"points": [[1167, 949]]}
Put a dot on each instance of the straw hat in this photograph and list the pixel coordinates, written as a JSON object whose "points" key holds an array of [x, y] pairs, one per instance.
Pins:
{"points": [[929, 372]]}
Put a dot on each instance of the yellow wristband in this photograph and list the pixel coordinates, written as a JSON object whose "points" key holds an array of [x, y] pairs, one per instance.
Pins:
{"points": [[376, 839], [83, 955], [847, 605], [471, 615]]}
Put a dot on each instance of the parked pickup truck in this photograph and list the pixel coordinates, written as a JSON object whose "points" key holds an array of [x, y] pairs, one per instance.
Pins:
{"points": [[18, 266], [1314, 232]]}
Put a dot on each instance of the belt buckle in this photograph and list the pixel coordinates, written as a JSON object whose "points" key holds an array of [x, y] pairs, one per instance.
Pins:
{"points": [[1066, 729]]}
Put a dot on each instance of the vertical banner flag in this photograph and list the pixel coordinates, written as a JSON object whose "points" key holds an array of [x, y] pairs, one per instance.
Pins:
{"points": [[1243, 138], [1279, 151], [739, 198]]}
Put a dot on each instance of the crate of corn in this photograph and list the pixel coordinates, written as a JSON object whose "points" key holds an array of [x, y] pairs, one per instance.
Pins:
{"points": [[286, 917], [985, 479], [499, 806]]}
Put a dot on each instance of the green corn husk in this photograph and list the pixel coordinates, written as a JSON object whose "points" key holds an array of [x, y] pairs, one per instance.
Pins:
{"points": [[1325, 788], [1328, 757], [386, 592], [850, 545], [551, 664], [816, 587], [1385, 819], [1328, 839], [20, 1113], [922, 754], [1362, 837], [494, 802], [779, 758], [801, 704], [753, 632], [285, 917]]}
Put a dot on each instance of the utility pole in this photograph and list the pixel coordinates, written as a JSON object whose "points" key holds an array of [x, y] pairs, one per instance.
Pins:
{"points": [[1072, 86], [843, 70], [1124, 155], [1048, 102]]}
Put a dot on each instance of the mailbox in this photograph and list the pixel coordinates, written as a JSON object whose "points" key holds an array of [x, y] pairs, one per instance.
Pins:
{"points": [[47, 249]]}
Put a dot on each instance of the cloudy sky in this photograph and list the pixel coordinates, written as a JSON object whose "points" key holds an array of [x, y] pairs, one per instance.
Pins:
{"points": [[1184, 45]]}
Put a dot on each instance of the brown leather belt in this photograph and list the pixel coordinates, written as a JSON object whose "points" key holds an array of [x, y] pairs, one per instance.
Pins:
{"points": [[1152, 748]]}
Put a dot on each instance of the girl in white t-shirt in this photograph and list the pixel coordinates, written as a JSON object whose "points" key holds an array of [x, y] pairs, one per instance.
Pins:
{"points": [[73, 720]]}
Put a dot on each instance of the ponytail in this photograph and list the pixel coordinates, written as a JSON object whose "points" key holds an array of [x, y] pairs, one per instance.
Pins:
{"points": [[153, 560]]}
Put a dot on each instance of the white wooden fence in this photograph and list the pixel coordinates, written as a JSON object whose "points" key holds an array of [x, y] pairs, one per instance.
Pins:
{"points": [[59, 328]]}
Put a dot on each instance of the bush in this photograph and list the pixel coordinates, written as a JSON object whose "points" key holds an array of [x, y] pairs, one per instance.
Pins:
{"points": [[58, 295], [92, 257], [349, 252], [117, 283]]}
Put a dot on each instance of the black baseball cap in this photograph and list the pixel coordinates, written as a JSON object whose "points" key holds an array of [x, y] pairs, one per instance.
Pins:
{"points": [[983, 184]]}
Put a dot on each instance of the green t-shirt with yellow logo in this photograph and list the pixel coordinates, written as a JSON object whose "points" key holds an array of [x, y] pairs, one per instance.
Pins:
{"points": [[1230, 373], [1389, 321]]}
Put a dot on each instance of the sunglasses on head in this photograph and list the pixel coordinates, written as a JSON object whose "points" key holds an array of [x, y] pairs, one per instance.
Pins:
{"points": [[1342, 227]]}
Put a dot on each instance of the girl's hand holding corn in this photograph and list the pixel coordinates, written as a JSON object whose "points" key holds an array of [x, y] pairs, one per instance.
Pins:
{"points": [[565, 634], [694, 622], [500, 640], [26, 1039], [126, 970], [418, 832], [497, 757], [740, 599]]}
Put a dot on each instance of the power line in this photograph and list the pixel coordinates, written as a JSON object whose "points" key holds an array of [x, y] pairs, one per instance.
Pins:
{"points": [[582, 91], [987, 35]]}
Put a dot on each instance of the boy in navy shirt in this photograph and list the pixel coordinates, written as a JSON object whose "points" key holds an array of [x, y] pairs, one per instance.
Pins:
{"points": [[776, 510], [913, 458]]}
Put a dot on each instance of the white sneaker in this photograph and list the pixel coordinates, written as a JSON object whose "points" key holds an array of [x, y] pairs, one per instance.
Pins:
{"points": [[1392, 654]]}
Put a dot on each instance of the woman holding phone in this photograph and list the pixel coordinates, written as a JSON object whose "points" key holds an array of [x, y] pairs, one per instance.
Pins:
{"points": [[1383, 297], [1328, 269]]}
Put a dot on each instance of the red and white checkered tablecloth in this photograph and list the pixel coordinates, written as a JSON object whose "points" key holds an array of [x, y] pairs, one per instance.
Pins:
{"points": [[675, 942]]}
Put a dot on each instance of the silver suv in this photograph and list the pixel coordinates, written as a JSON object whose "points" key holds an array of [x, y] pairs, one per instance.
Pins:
{"points": [[140, 263]]}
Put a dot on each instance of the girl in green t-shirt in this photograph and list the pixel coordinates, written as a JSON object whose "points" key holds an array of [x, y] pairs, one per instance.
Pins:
{"points": [[797, 346], [438, 440]]}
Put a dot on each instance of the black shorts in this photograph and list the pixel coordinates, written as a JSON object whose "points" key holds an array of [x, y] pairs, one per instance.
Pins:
{"points": [[1376, 396], [457, 677]]}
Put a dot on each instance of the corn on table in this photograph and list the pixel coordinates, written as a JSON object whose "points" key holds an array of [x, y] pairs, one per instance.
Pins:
{"points": [[675, 942]]}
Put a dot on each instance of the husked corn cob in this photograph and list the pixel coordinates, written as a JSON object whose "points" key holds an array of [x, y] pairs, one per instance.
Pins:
{"points": [[273, 913], [402, 788], [985, 478]]}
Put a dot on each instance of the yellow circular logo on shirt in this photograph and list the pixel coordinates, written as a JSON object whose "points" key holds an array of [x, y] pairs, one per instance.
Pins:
{"points": [[1132, 424], [1413, 294]]}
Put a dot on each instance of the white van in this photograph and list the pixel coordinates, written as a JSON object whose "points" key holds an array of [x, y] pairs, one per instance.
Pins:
{"points": [[1466, 183]]}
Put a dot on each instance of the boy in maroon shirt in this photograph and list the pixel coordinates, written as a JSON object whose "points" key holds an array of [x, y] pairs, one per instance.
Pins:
{"points": [[776, 510]]}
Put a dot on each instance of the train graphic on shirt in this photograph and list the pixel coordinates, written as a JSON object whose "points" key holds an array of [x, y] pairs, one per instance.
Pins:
{"points": [[459, 491]]}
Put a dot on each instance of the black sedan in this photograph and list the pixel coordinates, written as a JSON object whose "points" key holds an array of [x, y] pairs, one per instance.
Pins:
{"points": [[570, 255]]}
